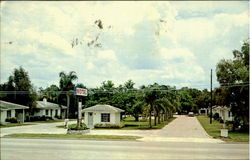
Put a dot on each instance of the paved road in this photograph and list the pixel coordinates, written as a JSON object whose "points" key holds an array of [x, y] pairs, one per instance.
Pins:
{"points": [[51, 149]]}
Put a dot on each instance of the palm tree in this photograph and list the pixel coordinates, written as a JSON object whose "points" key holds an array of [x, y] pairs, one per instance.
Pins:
{"points": [[161, 107], [150, 97], [129, 84], [66, 84]]}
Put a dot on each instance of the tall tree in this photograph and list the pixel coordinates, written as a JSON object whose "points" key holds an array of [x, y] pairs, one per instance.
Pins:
{"points": [[129, 84], [20, 81], [108, 85], [186, 100], [66, 84], [234, 76], [51, 93], [150, 96]]}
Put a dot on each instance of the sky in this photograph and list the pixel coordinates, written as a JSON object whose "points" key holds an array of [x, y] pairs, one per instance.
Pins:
{"points": [[170, 43]]}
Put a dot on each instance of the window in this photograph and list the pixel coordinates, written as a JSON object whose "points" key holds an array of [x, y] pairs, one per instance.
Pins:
{"points": [[105, 117], [56, 114], [229, 113], [47, 112], [8, 114]]}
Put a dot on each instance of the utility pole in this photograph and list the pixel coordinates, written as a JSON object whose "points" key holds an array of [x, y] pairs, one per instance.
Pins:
{"points": [[211, 112]]}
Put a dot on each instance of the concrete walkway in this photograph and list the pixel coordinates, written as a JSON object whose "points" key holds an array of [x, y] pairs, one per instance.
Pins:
{"points": [[49, 128], [182, 129], [184, 126]]}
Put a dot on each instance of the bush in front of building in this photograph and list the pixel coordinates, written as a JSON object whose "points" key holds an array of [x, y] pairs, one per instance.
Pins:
{"points": [[115, 126], [40, 118], [58, 117], [216, 116], [220, 120], [11, 120], [82, 126], [230, 125]]}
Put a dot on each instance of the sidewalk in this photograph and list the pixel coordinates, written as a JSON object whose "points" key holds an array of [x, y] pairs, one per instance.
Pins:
{"points": [[49, 128], [182, 129]]}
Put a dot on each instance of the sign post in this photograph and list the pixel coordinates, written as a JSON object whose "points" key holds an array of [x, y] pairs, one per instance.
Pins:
{"points": [[80, 92]]}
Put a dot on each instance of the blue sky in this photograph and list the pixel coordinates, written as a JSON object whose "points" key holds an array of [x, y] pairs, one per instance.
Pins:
{"points": [[171, 43]]}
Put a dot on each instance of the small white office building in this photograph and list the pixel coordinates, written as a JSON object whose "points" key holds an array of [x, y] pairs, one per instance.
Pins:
{"points": [[10, 110], [203, 111], [224, 112], [101, 114], [44, 108]]}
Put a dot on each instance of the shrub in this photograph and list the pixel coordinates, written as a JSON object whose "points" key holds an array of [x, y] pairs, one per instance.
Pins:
{"points": [[230, 125], [82, 126], [216, 116], [58, 117], [100, 125], [132, 125], [220, 120], [45, 118], [13, 120], [7, 120], [39, 118]]}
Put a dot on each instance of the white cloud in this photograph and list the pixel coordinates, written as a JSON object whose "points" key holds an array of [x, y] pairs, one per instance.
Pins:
{"points": [[210, 6], [201, 29], [106, 55], [238, 20], [180, 63], [176, 53], [42, 32]]}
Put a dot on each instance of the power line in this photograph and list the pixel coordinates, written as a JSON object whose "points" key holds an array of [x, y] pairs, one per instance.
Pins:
{"points": [[94, 91]]}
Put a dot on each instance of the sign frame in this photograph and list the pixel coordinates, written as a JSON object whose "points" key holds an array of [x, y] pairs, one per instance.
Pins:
{"points": [[81, 92]]}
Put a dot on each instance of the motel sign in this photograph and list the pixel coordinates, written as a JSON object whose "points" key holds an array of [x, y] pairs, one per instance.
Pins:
{"points": [[81, 92]]}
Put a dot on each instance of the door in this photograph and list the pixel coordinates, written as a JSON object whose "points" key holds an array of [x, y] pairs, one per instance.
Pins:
{"points": [[90, 119]]}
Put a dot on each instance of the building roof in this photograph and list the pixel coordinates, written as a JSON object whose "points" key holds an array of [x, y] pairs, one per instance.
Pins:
{"points": [[102, 108], [221, 107], [8, 106], [48, 105]]}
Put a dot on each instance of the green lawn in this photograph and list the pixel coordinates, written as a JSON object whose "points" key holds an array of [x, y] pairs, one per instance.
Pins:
{"points": [[214, 131], [131, 124], [69, 126], [51, 121], [71, 136], [12, 125]]}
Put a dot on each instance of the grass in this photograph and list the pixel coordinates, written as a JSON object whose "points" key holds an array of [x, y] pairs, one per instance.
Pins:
{"points": [[51, 121], [12, 125], [71, 136], [131, 124], [214, 131], [69, 126]]}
